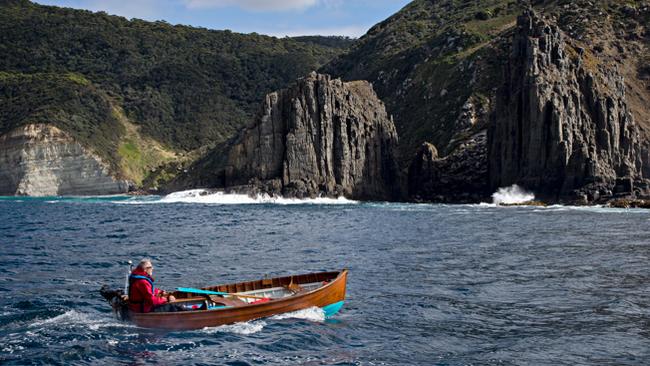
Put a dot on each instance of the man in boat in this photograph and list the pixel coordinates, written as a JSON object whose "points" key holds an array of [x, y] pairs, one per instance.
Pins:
{"points": [[143, 296]]}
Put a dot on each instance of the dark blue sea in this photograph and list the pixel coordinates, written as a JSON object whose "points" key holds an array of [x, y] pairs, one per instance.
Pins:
{"points": [[428, 284]]}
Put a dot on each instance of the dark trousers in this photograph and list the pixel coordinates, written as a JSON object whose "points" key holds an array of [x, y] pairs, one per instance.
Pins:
{"points": [[168, 308]]}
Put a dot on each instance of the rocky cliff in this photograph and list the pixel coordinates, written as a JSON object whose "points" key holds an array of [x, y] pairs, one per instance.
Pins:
{"points": [[319, 136], [460, 177], [42, 160], [442, 66], [431, 63], [564, 95], [562, 125]]}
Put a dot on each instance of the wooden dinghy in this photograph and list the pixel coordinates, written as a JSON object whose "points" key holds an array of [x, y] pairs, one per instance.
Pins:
{"points": [[244, 301]]}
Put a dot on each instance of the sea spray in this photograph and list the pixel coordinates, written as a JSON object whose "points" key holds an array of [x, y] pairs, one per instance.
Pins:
{"points": [[512, 195], [203, 196]]}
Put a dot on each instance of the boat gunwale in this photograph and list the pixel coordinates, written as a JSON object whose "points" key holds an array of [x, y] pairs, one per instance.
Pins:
{"points": [[338, 277]]}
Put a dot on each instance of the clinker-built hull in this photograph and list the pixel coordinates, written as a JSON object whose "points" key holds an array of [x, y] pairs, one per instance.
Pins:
{"points": [[324, 289]]}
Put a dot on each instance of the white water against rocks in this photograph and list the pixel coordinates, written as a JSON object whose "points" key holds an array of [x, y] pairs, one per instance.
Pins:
{"points": [[512, 195], [221, 198]]}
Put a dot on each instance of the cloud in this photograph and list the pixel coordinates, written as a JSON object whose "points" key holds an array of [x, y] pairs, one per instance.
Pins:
{"points": [[255, 5]]}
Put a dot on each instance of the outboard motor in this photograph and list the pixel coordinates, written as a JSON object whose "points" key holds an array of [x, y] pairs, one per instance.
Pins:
{"points": [[119, 302], [119, 299]]}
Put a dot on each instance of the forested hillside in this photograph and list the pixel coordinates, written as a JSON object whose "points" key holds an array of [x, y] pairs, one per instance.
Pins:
{"points": [[431, 62], [184, 87]]}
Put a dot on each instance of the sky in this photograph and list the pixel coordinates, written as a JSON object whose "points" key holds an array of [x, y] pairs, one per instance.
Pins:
{"points": [[278, 18]]}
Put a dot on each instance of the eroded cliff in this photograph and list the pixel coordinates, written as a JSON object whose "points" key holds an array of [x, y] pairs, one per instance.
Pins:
{"points": [[42, 160], [562, 124], [320, 136]]}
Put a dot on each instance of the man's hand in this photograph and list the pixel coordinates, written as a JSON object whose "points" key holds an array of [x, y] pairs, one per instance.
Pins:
{"points": [[171, 298]]}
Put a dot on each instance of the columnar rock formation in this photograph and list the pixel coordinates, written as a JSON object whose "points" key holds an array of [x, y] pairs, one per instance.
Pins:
{"points": [[319, 136], [562, 125], [42, 160]]}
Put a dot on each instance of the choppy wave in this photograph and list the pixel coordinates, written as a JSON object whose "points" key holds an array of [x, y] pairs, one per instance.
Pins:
{"points": [[10, 348], [203, 196], [55, 329], [567, 283]]}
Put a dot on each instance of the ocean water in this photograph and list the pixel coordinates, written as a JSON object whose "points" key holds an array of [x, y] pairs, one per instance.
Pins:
{"points": [[428, 284]]}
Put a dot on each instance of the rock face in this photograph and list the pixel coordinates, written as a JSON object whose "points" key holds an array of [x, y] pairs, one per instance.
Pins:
{"points": [[41, 160], [319, 136], [562, 125], [458, 177]]}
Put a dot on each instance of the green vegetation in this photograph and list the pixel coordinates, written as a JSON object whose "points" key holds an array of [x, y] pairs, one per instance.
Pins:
{"points": [[151, 98], [186, 87], [340, 42], [67, 101], [428, 60], [139, 155], [433, 57], [182, 87]]}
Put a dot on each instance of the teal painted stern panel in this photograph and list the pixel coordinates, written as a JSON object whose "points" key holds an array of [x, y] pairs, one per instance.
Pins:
{"points": [[332, 309]]}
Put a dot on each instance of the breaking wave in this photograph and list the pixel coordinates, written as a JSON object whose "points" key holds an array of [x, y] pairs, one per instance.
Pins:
{"points": [[512, 195], [212, 197]]}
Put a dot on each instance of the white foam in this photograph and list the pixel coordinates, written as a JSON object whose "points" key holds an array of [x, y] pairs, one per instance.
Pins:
{"points": [[245, 328], [512, 195], [74, 318], [204, 196], [12, 348], [313, 313]]}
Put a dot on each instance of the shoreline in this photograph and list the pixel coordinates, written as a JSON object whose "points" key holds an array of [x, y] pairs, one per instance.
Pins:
{"points": [[620, 203]]}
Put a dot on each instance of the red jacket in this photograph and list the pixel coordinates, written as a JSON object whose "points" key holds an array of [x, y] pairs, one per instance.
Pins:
{"points": [[141, 298]]}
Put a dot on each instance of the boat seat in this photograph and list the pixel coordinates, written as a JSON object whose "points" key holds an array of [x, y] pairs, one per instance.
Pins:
{"points": [[227, 301]]}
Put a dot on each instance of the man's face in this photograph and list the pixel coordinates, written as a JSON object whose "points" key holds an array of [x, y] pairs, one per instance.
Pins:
{"points": [[148, 267]]}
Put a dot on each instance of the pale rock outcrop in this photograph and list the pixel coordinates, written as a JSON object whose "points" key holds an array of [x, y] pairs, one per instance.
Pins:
{"points": [[562, 124], [42, 160], [319, 136]]}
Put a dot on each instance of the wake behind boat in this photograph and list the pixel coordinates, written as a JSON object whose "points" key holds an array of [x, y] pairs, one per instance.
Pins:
{"points": [[239, 302]]}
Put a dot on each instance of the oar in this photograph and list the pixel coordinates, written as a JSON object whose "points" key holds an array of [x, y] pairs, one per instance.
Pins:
{"points": [[207, 292]]}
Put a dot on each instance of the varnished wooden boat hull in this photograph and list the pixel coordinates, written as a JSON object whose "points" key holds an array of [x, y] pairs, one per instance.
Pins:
{"points": [[331, 293]]}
